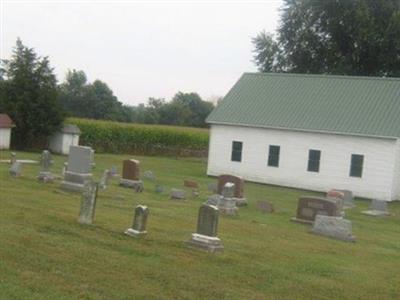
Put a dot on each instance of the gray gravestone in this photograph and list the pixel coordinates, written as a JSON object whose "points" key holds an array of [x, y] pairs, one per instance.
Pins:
{"points": [[80, 160], [13, 157], [88, 203], [114, 171], [214, 200], [15, 169], [377, 208], [334, 227], [265, 207], [159, 189], [45, 163], [207, 225], [139, 222], [212, 187], [228, 190], [227, 206], [345, 195], [177, 194], [149, 175], [104, 179]]}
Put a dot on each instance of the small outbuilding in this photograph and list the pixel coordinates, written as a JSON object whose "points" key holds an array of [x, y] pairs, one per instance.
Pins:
{"points": [[66, 137], [6, 124]]}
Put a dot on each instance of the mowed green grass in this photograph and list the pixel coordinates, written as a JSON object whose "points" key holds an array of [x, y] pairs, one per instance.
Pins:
{"points": [[46, 254]]}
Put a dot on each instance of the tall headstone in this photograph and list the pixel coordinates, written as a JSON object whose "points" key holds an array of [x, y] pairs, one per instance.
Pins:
{"points": [[308, 207], [45, 162], [88, 203], [334, 227], [205, 237], [377, 208], [227, 203], [79, 168], [239, 187], [139, 222], [131, 175]]}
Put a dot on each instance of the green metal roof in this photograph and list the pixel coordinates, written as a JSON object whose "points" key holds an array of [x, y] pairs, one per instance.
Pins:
{"points": [[324, 103]]}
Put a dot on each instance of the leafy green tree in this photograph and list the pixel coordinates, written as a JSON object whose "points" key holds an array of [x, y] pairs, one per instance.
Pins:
{"points": [[357, 37], [90, 100], [30, 97]]}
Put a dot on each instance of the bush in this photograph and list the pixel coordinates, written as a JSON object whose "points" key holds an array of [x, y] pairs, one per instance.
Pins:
{"points": [[115, 137]]}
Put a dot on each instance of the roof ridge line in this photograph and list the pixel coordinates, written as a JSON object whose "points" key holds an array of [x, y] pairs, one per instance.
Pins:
{"points": [[325, 76]]}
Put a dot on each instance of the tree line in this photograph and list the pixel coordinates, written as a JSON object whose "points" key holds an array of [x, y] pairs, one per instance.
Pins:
{"points": [[29, 93], [346, 37]]}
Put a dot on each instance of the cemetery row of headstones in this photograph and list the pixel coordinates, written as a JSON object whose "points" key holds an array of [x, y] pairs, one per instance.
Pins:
{"points": [[325, 214]]}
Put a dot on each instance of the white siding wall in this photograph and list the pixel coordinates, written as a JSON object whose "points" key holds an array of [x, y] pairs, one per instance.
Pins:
{"points": [[396, 179], [379, 159], [5, 136]]}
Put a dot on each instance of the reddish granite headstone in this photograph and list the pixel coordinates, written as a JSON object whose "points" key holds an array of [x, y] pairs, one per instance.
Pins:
{"points": [[130, 169], [238, 181], [191, 184], [308, 207]]}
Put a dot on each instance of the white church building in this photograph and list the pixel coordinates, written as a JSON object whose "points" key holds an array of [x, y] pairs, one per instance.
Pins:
{"points": [[314, 132]]}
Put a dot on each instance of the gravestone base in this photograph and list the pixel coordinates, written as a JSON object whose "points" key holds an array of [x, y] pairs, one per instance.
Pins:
{"points": [[135, 233], [228, 211], [375, 213], [46, 177], [302, 221], [205, 243], [227, 206], [334, 227], [75, 182], [241, 202], [137, 185]]}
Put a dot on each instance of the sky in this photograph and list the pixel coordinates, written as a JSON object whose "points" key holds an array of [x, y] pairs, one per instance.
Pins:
{"points": [[143, 49]]}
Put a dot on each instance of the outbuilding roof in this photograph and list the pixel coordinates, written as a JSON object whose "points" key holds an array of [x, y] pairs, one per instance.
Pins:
{"points": [[368, 106], [70, 129], [5, 121]]}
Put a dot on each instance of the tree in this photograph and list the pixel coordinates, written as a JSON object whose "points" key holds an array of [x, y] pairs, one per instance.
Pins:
{"points": [[30, 97], [90, 100], [358, 37]]}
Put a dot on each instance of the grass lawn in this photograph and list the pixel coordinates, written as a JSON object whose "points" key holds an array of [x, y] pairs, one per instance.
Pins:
{"points": [[46, 254]]}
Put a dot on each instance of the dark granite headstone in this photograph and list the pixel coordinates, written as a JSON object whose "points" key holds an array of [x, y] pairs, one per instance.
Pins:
{"points": [[139, 222], [130, 169], [308, 207], [130, 175]]}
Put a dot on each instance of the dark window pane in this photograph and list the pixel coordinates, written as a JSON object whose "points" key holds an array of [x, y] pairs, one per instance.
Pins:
{"points": [[314, 157], [273, 156], [356, 167], [236, 151]]}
